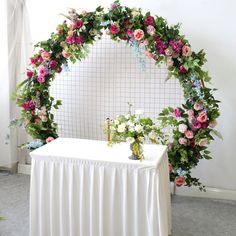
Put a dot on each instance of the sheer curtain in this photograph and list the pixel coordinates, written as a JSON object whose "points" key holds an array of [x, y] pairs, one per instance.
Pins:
{"points": [[15, 51]]}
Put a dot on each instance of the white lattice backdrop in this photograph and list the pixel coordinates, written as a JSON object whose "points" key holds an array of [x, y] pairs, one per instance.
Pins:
{"points": [[101, 86]]}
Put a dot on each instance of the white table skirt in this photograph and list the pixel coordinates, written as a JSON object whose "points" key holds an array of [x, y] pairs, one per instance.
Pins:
{"points": [[84, 188]]}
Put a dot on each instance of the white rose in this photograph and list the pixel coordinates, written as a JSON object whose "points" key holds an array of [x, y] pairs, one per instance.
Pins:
{"points": [[138, 128], [121, 128], [182, 128], [152, 135], [139, 112], [130, 123], [130, 140], [135, 12]]}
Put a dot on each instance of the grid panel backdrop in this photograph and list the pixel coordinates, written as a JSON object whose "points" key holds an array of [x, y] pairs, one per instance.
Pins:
{"points": [[101, 86]]}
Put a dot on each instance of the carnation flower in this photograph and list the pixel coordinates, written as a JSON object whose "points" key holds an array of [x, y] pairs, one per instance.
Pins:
{"points": [[151, 30], [182, 141], [149, 20], [114, 29], [202, 117], [179, 181], [188, 134], [186, 51], [138, 34], [182, 128]]}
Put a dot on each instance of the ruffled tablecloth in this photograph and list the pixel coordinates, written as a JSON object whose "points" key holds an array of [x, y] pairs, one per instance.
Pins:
{"points": [[85, 188]]}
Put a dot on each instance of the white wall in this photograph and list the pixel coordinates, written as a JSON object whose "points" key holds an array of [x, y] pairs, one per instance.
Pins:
{"points": [[207, 24]]}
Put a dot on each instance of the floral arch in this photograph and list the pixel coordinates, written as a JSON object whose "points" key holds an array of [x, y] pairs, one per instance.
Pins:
{"points": [[192, 124]]}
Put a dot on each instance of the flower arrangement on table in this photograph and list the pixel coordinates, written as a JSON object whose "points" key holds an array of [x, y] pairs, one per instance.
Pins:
{"points": [[134, 129]]}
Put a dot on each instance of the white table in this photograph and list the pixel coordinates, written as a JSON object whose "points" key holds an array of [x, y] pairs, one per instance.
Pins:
{"points": [[85, 188]]}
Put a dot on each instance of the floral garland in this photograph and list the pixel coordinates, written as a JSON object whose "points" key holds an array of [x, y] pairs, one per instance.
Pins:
{"points": [[191, 124]]}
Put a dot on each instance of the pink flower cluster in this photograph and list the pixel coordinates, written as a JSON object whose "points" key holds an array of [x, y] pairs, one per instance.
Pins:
{"points": [[28, 105], [74, 40], [160, 46], [149, 20], [176, 45], [114, 29]]}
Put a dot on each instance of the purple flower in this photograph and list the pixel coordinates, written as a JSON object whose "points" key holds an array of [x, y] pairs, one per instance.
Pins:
{"points": [[176, 45], [160, 46]]}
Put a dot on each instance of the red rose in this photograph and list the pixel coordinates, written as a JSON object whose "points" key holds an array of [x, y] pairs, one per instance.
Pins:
{"points": [[29, 74], [114, 29], [149, 20], [53, 63], [179, 181], [182, 69], [79, 24]]}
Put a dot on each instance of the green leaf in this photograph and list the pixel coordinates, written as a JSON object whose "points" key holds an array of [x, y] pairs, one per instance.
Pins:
{"points": [[217, 133]]}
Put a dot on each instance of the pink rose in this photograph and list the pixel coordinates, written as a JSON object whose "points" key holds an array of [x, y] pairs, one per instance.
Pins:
{"points": [[138, 34], [45, 55], [149, 20], [186, 51], [151, 30], [203, 142], [179, 181], [33, 61], [78, 40], [41, 79], [72, 26], [130, 32], [202, 117], [79, 24], [197, 107], [190, 113], [182, 128], [49, 139], [177, 112], [29, 74], [183, 141], [170, 168], [114, 29], [188, 134], [28, 105], [113, 6], [196, 124], [65, 54], [150, 55], [182, 69]]}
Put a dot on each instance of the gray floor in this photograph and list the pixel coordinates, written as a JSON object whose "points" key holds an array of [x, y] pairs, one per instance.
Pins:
{"points": [[191, 216]]}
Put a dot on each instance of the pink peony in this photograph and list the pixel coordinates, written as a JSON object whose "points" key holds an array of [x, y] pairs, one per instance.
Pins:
{"points": [[149, 20], [202, 117], [151, 30], [49, 139], [45, 55], [53, 64], [29, 74], [197, 107], [188, 134], [182, 69], [183, 141], [28, 105], [170, 168], [138, 34], [203, 142], [182, 128], [42, 71], [41, 79], [179, 181], [114, 29], [177, 112], [186, 51], [79, 24], [65, 54]]}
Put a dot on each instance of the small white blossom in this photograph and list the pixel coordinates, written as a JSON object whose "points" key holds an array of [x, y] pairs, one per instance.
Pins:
{"points": [[138, 128], [130, 139], [182, 128], [121, 128]]}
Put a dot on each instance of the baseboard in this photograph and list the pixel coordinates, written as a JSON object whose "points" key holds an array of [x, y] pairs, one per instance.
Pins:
{"points": [[24, 169], [12, 168], [216, 193]]}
